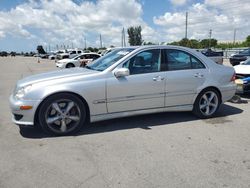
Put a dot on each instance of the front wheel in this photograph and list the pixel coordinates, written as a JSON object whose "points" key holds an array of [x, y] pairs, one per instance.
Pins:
{"points": [[70, 65], [62, 114], [207, 103]]}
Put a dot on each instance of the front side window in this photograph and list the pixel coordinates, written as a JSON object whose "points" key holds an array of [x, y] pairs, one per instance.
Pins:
{"points": [[144, 62], [179, 60]]}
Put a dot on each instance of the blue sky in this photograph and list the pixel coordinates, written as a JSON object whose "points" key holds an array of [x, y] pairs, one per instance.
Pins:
{"points": [[26, 23]]}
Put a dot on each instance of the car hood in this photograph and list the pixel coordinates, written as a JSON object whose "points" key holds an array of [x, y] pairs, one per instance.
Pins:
{"points": [[242, 69], [59, 74]]}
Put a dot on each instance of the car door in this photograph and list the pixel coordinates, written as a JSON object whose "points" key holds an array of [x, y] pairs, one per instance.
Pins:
{"points": [[143, 89], [185, 74]]}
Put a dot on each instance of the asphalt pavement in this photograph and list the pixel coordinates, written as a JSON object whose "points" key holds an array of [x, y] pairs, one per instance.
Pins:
{"points": [[159, 150]]}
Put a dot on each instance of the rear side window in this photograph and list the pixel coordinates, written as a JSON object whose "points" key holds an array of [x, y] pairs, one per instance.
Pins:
{"points": [[180, 60]]}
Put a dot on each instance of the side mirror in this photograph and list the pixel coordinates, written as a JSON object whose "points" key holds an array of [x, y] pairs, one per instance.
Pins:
{"points": [[121, 72]]}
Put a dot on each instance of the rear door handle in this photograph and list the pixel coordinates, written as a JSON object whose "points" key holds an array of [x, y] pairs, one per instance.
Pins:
{"points": [[198, 75], [158, 78]]}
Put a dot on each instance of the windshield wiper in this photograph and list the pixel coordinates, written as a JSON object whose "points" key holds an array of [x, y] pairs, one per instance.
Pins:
{"points": [[91, 68]]}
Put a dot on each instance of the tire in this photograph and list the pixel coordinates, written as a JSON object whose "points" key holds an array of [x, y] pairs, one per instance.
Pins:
{"points": [[62, 114], [207, 103], [70, 65]]}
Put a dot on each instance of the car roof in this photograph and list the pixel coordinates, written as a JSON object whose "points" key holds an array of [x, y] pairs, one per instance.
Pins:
{"points": [[87, 53]]}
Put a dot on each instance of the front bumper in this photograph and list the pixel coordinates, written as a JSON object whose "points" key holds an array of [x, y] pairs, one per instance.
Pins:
{"points": [[23, 117], [60, 65]]}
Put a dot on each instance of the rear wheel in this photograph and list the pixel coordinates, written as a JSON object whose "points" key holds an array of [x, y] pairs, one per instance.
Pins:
{"points": [[207, 103], [62, 114]]}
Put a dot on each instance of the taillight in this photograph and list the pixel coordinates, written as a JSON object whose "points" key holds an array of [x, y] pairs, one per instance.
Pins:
{"points": [[233, 77]]}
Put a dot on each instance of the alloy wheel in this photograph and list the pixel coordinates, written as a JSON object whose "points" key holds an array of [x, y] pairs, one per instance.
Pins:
{"points": [[63, 116], [208, 103]]}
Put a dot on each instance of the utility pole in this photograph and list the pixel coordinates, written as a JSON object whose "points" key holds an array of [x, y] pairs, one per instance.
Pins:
{"points": [[210, 36], [234, 36], [123, 38], [186, 25], [100, 40], [85, 44]]}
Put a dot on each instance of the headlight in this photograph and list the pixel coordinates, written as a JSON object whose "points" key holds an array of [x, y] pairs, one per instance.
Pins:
{"points": [[20, 93]]}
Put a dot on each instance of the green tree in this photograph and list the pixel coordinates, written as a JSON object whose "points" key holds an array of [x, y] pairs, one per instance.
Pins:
{"points": [[90, 49], [148, 43], [206, 43], [134, 36], [247, 41]]}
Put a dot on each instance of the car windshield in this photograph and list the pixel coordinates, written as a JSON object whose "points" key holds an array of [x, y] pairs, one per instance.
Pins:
{"points": [[75, 57], [106, 61]]}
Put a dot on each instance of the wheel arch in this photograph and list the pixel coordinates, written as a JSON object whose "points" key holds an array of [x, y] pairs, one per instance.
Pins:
{"points": [[207, 88], [36, 120], [70, 63]]}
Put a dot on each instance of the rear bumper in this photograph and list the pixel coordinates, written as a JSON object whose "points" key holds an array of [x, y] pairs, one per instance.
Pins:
{"points": [[228, 91]]}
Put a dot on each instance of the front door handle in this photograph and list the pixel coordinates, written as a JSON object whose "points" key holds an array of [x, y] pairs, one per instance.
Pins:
{"points": [[158, 78]]}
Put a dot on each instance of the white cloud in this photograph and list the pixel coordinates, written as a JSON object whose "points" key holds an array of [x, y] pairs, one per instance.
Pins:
{"points": [[221, 16], [178, 2], [65, 22], [61, 21]]}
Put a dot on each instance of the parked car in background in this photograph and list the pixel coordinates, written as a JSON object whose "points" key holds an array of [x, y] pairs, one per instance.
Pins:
{"points": [[3, 54], [64, 55], [243, 75], [215, 56], [12, 54], [235, 59], [78, 61], [74, 52], [108, 50], [125, 82], [52, 56]]}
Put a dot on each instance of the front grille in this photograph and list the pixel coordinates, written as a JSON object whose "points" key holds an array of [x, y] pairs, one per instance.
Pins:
{"points": [[18, 116]]}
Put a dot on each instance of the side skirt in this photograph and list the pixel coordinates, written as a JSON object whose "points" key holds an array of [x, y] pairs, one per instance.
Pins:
{"points": [[101, 117]]}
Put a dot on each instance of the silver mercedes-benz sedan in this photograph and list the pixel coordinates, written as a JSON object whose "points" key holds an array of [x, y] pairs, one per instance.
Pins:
{"points": [[127, 81]]}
